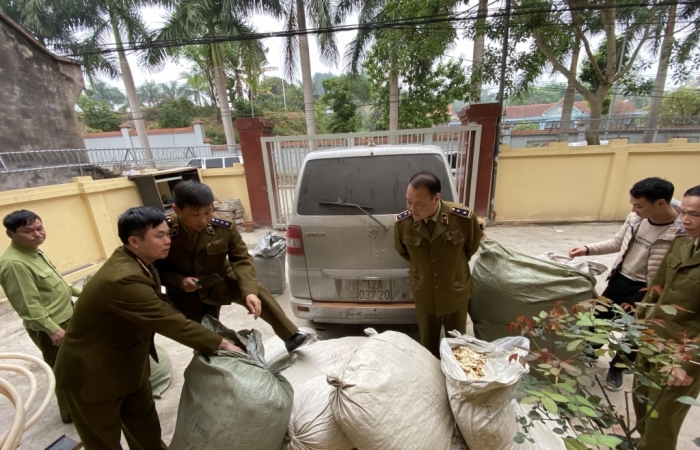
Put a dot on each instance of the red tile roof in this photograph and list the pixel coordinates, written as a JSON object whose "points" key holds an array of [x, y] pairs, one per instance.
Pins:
{"points": [[525, 111]]}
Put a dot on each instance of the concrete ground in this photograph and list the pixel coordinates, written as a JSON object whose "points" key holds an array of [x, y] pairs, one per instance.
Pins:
{"points": [[529, 239]]}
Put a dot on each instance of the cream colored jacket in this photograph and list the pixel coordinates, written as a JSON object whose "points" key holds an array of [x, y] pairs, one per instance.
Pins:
{"points": [[621, 241]]}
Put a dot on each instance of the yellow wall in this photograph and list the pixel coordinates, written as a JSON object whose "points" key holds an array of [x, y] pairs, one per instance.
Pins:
{"points": [[562, 183], [229, 183], [81, 217]]}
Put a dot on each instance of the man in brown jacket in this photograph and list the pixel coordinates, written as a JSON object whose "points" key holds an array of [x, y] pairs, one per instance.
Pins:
{"points": [[438, 239], [205, 246], [102, 364]]}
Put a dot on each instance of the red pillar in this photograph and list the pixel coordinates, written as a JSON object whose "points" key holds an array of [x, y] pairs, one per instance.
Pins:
{"points": [[250, 130], [486, 115]]}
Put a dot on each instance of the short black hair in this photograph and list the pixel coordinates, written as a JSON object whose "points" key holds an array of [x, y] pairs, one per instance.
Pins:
{"points": [[192, 193], [693, 191], [427, 180], [20, 218], [653, 189], [137, 221]]}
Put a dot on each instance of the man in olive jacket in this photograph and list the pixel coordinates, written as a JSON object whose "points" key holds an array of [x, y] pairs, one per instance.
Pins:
{"points": [[438, 238], [103, 361], [204, 245], [679, 280]]}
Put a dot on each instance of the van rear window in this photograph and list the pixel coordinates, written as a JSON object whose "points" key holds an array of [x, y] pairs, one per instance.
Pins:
{"points": [[376, 182]]}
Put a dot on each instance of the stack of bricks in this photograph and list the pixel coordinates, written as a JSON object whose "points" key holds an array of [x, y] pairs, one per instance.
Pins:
{"points": [[231, 210]]}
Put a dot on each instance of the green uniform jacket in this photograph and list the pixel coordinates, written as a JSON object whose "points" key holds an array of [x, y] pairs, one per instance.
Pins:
{"points": [[35, 289], [679, 279], [104, 354], [440, 278], [219, 249]]}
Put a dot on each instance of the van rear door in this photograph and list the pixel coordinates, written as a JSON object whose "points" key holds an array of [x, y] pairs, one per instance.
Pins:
{"points": [[345, 209]]}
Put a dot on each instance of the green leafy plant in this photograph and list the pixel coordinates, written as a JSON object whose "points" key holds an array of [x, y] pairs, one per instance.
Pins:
{"points": [[97, 114], [563, 355], [176, 114]]}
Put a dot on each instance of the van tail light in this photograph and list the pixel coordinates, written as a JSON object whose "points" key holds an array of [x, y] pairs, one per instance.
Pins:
{"points": [[295, 243]]}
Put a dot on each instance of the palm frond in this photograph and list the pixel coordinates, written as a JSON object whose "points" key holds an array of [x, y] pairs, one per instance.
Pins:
{"points": [[291, 43]]}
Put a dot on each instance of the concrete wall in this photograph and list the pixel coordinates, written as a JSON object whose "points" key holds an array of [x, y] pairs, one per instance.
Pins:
{"points": [[522, 139], [38, 92], [81, 217], [168, 137], [229, 183], [561, 183]]}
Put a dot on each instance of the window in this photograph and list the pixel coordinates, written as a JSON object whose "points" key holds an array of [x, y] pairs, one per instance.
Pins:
{"points": [[376, 182], [231, 160], [195, 163], [215, 163]]}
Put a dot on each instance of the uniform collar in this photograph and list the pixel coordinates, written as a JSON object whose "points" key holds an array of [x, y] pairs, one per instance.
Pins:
{"points": [[436, 216], [25, 250]]}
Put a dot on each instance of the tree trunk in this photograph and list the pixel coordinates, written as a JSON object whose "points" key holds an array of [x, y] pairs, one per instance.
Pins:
{"points": [[131, 95], [596, 103], [222, 96], [660, 82], [568, 103], [478, 51], [304, 60], [393, 104]]}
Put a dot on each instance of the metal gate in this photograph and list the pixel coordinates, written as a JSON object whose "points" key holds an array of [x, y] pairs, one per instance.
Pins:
{"points": [[284, 155]]}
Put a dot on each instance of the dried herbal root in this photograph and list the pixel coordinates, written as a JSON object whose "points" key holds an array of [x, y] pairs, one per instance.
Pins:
{"points": [[472, 363]]}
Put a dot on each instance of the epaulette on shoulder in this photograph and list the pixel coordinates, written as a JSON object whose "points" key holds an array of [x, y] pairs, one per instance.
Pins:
{"points": [[680, 232], [169, 221], [463, 212], [222, 223], [404, 215]]}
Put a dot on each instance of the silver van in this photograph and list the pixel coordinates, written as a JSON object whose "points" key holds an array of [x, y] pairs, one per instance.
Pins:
{"points": [[340, 236]]}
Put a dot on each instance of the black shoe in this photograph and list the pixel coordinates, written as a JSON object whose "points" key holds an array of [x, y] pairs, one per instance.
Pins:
{"points": [[613, 382], [295, 341], [67, 421]]}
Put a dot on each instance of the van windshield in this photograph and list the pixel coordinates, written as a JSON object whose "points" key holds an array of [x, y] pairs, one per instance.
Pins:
{"points": [[378, 182]]}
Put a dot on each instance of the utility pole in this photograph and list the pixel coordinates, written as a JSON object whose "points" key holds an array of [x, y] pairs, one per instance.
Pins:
{"points": [[501, 92]]}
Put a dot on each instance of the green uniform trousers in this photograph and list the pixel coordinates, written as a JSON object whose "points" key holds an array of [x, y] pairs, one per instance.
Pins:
{"points": [[101, 423], [195, 309], [662, 432], [430, 325], [49, 353]]}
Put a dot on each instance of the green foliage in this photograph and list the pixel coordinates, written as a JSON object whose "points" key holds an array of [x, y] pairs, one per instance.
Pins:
{"points": [[287, 123], [563, 393], [97, 114], [550, 93], [272, 98], [529, 126], [176, 114], [680, 108], [317, 82], [338, 98], [423, 102]]}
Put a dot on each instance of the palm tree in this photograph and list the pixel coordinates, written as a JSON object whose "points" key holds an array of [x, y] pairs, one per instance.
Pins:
{"points": [[209, 18], [319, 13], [114, 97], [149, 93]]}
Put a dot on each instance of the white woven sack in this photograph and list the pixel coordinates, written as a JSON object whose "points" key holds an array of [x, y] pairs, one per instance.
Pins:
{"points": [[312, 425], [275, 349], [390, 395], [481, 407]]}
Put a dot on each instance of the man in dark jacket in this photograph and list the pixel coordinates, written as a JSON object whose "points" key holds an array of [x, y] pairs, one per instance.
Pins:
{"points": [[438, 238], [102, 364], [203, 246]]}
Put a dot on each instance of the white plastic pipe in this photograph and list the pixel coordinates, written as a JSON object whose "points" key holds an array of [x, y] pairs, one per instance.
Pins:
{"points": [[11, 437]]}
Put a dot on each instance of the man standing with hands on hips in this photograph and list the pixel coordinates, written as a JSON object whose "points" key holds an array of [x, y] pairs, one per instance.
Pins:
{"points": [[438, 238]]}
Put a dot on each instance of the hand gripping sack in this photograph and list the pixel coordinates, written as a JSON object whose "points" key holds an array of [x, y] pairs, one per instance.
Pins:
{"points": [[312, 425], [232, 401], [481, 406], [390, 395]]}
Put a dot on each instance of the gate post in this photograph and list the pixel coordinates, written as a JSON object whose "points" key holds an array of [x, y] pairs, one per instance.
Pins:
{"points": [[250, 130], [486, 115]]}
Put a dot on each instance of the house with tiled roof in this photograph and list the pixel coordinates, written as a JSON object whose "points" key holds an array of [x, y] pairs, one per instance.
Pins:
{"points": [[548, 115]]}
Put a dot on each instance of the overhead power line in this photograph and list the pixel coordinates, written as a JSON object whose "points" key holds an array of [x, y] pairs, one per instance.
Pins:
{"points": [[379, 25]]}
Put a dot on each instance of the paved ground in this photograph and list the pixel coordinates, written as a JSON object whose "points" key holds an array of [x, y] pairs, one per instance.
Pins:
{"points": [[529, 239]]}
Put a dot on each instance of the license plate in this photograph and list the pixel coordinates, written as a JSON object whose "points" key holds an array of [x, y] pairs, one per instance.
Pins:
{"points": [[374, 290]]}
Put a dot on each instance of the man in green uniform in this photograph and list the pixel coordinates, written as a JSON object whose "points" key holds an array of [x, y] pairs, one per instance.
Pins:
{"points": [[35, 289], [103, 362], [438, 238], [203, 245], [679, 280]]}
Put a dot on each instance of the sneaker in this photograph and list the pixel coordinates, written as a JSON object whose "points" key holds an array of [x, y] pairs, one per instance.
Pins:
{"points": [[296, 341], [613, 382]]}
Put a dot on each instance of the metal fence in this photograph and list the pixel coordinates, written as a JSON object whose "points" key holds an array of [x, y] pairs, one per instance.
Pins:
{"points": [[284, 155], [117, 160]]}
